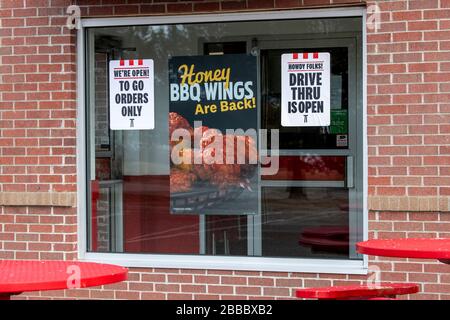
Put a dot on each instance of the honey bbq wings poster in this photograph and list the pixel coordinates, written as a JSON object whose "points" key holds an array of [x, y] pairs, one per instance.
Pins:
{"points": [[212, 134]]}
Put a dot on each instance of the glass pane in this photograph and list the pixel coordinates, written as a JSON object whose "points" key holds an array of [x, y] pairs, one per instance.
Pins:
{"points": [[305, 222], [148, 225], [129, 172], [310, 168], [226, 235], [332, 137]]}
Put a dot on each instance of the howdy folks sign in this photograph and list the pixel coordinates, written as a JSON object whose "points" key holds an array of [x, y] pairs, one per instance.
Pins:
{"points": [[305, 93]]}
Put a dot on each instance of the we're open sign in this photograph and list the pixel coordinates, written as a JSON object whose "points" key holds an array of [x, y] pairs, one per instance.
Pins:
{"points": [[131, 95]]}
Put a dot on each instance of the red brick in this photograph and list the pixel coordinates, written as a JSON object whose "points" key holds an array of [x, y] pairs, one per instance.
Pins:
{"points": [[392, 129], [380, 226], [127, 295], [278, 292], [407, 98], [437, 268], [408, 140], [234, 5], [20, 255], [392, 171], [167, 287], [206, 297], [237, 273], [207, 279], [407, 78], [179, 296], [395, 150], [153, 296], [377, 120], [379, 181], [408, 36], [438, 226], [437, 288], [179, 7], [391, 68], [436, 160], [234, 280], [262, 4], [422, 25], [408, 267], [102, 294], [220, 289], [260, 281], [423, 129], [193, 288], [408, 226], [422, 191], [126, 10], [287, 3], [207, 6], [391, 191], [422, 278], [423, 150], [380, 140], [179, 278], [192, 271]]}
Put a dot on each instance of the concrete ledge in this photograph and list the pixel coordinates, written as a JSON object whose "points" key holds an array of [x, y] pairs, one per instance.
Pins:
{"points": [[405, 203], [55, 199], [375, 203]]}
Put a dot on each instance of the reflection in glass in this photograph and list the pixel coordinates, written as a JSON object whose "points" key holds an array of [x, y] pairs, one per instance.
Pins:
{"points": [[306, 137], [299, 222], [128, 171]]}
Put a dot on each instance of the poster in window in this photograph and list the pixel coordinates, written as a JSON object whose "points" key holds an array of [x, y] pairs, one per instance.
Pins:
{"points": [[131, 96], [305, 93], [212, 134]]}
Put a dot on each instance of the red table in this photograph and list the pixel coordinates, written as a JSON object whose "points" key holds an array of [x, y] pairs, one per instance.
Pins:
{"points": [[407, 248], [19, 276], [362, 292]]}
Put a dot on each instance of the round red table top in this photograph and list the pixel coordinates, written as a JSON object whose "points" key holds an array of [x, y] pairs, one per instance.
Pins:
{"points": [[29, 275], [407, 248], [355, 291]]}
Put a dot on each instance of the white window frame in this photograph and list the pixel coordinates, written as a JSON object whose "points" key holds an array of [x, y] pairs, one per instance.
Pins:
{"points": [[197, 261]]}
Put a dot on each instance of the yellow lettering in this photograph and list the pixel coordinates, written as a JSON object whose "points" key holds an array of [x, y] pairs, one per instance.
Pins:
{"points": [[217, 73], [227, 77], [250, 103], [199, 77], [199, 109], [223, 106], [188, 75], [209, 108]]}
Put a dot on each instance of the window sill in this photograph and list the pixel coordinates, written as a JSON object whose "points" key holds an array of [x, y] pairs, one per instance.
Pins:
{"points": [[358, 267]]}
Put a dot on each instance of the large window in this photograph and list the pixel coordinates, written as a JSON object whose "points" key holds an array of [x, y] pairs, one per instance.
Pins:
{"points": [[140, 202]]}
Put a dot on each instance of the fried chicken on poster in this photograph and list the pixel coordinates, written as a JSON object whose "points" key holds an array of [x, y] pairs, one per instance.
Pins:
{"points": [[180, 180], [176, 121], [222, 160]]}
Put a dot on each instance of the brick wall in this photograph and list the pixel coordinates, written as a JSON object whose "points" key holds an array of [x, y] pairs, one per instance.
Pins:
{"points": [[409, 100], [408, 127]]}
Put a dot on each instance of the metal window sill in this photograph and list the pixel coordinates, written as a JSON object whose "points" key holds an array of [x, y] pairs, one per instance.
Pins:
{"points": [[357, 267]]}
